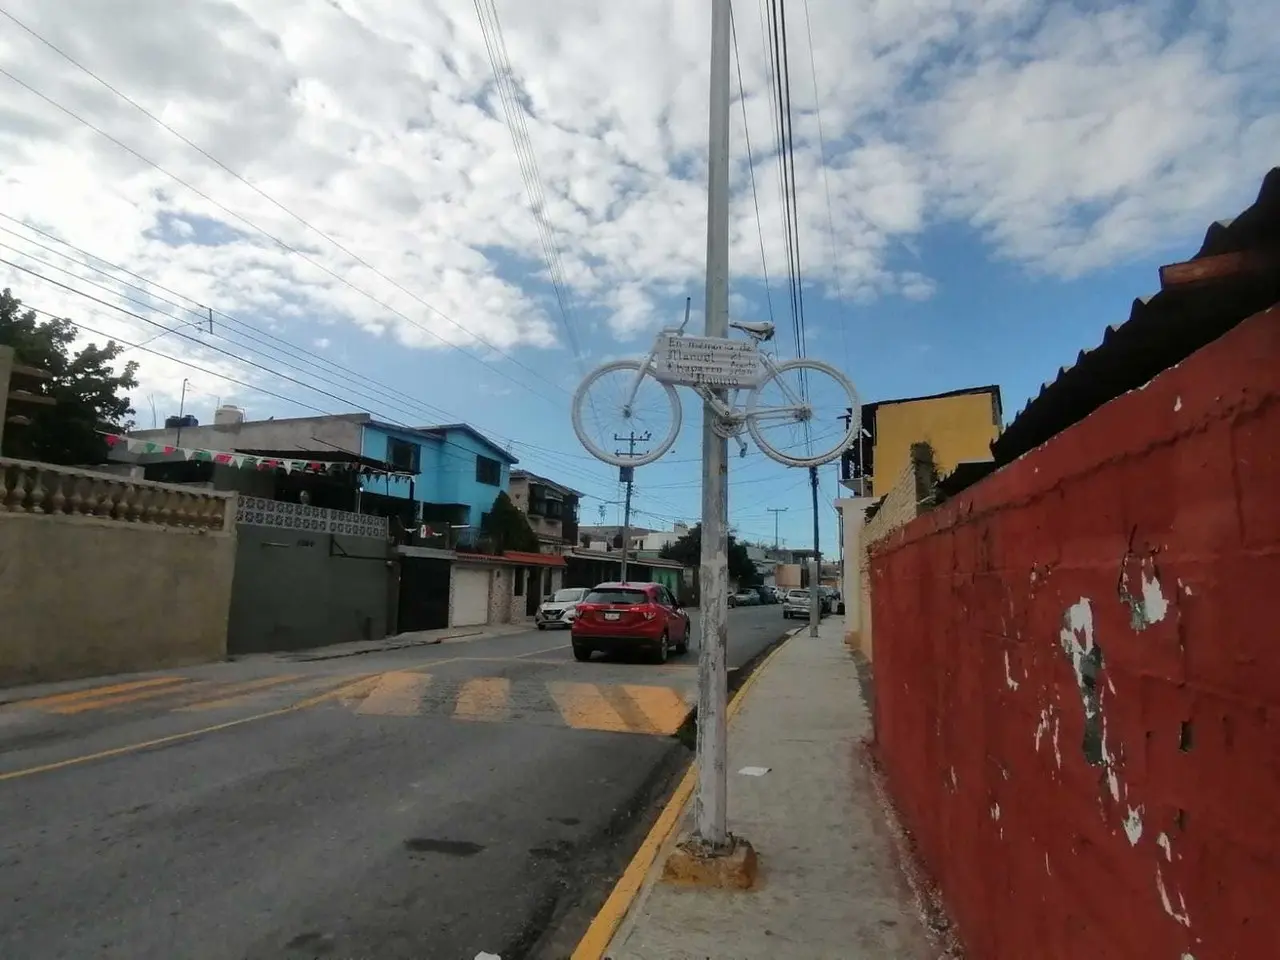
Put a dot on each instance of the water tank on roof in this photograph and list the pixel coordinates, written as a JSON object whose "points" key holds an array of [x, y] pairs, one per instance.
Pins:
{"points": [[228, 413]]}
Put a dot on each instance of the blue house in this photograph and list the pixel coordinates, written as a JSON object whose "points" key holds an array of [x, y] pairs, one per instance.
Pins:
{"points": [[456, 472]]}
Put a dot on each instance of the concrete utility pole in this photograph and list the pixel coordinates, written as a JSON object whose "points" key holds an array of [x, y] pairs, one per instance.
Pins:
{"points": [[775, 511], [628, 475], [815, 611], [182, 411], [710, 803]]}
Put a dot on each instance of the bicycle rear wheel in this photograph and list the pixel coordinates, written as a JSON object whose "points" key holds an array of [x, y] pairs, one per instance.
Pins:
{"points": [[797, 414], [601, 413]]}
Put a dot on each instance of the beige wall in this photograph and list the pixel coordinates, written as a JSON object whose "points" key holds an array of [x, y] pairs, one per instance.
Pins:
{"points": [[92, 595], [901, 505]]}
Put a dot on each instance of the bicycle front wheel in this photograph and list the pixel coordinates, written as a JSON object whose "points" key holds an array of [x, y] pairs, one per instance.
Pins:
{"points": [[609, 404], [797, 415]]}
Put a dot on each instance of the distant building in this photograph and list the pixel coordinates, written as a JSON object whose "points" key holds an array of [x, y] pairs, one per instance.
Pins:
{"points": [[959, 425], [445, 476], [552, 509]]}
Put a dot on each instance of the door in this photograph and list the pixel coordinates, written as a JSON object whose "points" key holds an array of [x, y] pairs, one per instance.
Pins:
{"points": [[424, 594], [470, 597], [533, 591], [675, 620]]}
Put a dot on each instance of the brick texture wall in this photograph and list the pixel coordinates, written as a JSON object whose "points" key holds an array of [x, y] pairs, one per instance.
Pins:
{"points": [[1078, 677]]}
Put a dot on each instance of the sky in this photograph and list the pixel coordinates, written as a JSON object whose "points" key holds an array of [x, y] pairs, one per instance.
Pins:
{"points": [[983, 186]]}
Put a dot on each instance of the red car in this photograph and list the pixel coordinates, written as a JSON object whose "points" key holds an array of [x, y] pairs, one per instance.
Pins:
{"points": [[621, 617]]}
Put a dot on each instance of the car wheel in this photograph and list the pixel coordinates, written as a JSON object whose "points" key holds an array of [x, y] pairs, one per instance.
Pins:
{"points": [[663, 653], [581, 653], [542, 626]]}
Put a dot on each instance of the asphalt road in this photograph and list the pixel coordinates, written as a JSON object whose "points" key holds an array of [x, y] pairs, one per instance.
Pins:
{"points": [[431, 802]]}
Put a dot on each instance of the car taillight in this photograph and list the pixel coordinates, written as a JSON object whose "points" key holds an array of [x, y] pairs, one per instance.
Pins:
{"points": [[647, 610]]}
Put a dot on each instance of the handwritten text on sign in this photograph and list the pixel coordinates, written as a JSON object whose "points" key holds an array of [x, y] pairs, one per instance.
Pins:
{"points": [[707, 362]]}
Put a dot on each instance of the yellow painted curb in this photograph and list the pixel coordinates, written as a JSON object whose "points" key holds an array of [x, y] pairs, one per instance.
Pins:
{"points": [[605, 924]]}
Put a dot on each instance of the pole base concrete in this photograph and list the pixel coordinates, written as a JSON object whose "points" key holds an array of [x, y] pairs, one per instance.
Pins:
{"points": [[693, 864]]}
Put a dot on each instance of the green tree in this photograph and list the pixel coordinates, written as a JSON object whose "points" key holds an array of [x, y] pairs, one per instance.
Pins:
{"points": [[86, 386], [507, 527], [688, 551]]}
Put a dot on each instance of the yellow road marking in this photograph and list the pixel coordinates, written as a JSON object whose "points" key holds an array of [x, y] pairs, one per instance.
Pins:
{"points": [[397, 694], [534, 653], [665, 709], [235, 693], [585, 707], [133, 696], [93, 692], [483, 698], [344, 691]]}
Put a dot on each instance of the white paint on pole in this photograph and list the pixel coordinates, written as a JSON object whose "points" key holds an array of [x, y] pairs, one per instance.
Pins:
{"points": [[815, 602], [710, 802]]}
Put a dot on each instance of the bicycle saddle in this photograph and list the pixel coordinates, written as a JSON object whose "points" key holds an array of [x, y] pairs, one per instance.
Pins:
{"points": [[762, 329]]}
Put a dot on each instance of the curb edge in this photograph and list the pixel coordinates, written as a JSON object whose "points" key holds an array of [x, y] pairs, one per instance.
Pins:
{"points": [[604, 925]]}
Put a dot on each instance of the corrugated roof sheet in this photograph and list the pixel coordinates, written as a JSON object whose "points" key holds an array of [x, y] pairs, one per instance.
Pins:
{"points": [[1162, 331]]}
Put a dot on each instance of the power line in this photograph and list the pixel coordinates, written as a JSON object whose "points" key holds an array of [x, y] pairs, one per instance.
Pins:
{"points": [[503, 75], [576, 472], [376, 386], [230, 379], [751, 164], [826, 180], [281, 243]]}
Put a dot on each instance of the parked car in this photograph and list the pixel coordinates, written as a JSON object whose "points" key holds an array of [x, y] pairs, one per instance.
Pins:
{"points": [[745, 598], [559, 609], [796, 604], [767, 594], [624, 617]]}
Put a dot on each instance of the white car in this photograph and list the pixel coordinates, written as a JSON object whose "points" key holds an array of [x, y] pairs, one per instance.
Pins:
{"points": [[561, 609]]}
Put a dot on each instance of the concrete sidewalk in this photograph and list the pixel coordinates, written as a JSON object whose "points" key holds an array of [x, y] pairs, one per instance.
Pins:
{"points": [[829, 884]]}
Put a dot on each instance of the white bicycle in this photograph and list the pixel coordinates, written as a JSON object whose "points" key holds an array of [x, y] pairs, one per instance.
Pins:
{"points": [[631, 390]]}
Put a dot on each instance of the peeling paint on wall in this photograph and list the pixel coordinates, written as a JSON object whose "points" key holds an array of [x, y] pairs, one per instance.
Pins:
{"points": [[1043, 727], [1147, 606], [1077, 640], [1008, 673], [1133, 825], [1180, 914]]}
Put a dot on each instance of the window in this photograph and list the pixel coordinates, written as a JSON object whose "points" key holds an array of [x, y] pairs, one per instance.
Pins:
{"points": [[617, 595], [403, 455], [488, 472]]}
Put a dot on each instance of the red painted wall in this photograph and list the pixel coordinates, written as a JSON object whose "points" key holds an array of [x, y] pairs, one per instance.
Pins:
{"points": [[1078, 677]]}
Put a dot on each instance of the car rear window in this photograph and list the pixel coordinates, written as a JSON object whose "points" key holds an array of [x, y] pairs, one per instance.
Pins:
{"points": [[617, 595], [799, 595]]}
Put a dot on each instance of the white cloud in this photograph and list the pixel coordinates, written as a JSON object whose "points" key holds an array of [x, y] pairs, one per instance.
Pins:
{"points": [[1070, 137]]}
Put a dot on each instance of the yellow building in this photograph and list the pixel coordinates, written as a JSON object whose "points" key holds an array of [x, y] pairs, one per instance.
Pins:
{"points": [[879, 471], [959, 425]]}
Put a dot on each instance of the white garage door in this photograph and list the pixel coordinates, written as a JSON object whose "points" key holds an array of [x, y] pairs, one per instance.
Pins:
{"points": [[470, 598]]}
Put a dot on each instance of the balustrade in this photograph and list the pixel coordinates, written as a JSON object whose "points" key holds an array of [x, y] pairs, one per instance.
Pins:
{"points": [[42, 488]]}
